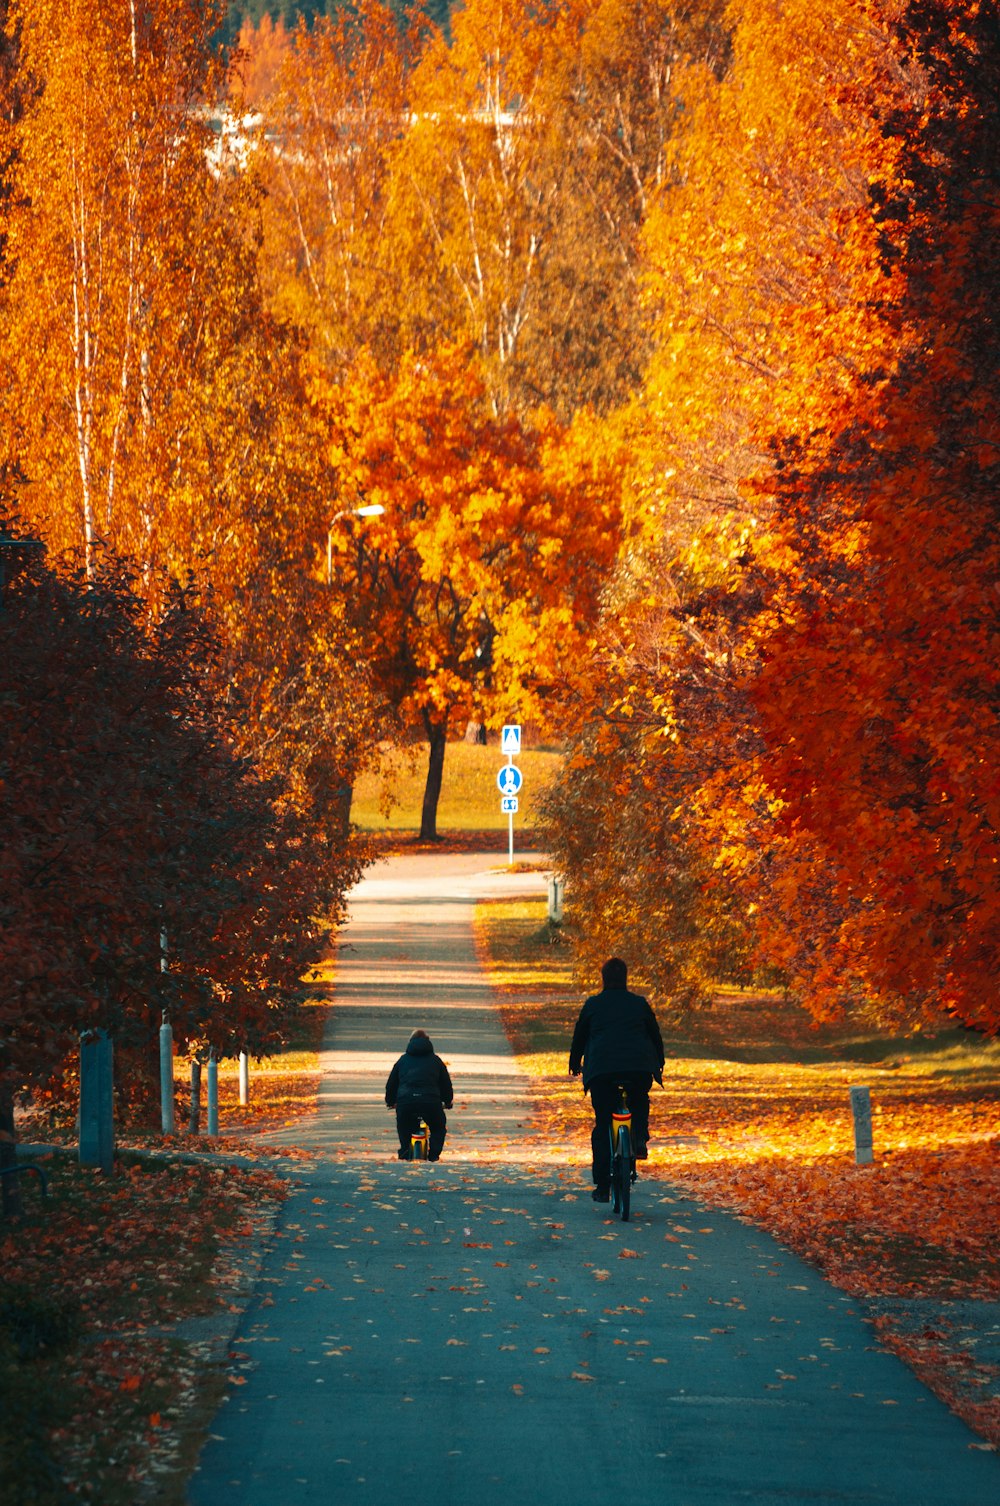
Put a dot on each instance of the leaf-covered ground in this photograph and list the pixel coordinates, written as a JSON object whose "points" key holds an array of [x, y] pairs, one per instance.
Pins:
{"points": [[100, 1386], [105, 1381], [115, 1290], [755, 1117]]}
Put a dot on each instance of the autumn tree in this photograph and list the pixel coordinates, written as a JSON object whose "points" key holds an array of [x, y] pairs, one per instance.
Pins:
{"points": [[880, 745], [618, 109], [618, 824], [339, 106], [826, 505], [107, 305], [260, 52], [129, 812], [156, 406], [478, 582], [476, 182]]}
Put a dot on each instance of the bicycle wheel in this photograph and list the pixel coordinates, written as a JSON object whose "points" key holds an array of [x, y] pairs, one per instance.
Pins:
{"points": [[616, 1181], [622, 1173]]}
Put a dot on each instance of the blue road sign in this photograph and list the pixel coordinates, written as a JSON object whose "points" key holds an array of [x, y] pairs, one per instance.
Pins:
{"points": [[509, 779], [508, 804], [510, 739]]}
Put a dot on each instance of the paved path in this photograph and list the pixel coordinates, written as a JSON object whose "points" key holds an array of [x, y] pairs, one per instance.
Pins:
{"points": [[478, 1332], [408, 959]]}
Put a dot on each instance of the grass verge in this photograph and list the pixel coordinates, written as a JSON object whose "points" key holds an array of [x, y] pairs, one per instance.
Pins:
{"points": [[755, 1118], [390, 797]]}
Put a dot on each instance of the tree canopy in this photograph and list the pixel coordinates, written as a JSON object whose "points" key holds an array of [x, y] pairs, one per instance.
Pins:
{"points": [[626, 368]]}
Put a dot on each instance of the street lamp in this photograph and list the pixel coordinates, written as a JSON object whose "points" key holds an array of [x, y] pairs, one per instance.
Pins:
{"points": [[370, 510]]}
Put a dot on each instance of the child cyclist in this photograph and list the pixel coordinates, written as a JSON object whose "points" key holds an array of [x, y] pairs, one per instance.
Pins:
{"points": [[419, 1087]]}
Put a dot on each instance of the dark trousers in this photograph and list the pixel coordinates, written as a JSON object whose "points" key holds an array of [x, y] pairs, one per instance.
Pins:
{"points": [[408, 1115], [603, 1092]]}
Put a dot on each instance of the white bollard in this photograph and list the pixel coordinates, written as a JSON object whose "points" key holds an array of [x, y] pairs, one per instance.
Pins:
{"points": [[244, 1078], [557, 888], [861, 1109]]}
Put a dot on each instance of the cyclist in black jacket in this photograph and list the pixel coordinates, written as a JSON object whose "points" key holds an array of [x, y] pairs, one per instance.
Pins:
{"points": [[419, 1087], [616, 1040]]}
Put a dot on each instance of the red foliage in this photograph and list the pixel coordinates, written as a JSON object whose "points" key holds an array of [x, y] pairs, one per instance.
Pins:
{"points": [[858, 730], [126, 813]]}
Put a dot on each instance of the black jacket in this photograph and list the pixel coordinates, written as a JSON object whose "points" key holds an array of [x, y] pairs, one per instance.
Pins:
{"points": [[419, 1075], [616, 1032]]}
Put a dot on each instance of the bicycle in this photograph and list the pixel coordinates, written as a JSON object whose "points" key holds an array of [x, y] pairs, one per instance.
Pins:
{"points": [[622, 1157], [420, 1140]]}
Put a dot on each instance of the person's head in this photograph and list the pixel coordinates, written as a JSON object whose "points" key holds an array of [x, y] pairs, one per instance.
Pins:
{"points": [[614, 973], [419, 1041]]}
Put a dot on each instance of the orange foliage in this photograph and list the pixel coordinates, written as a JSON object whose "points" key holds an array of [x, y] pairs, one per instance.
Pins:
{"points": [[329, 254], [811, 683], [868, 651], [468, 582], [262, 51]]}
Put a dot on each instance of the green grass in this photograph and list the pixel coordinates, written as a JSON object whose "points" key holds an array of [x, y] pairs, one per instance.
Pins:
{"points": [[470, 799], [752, 1026]]}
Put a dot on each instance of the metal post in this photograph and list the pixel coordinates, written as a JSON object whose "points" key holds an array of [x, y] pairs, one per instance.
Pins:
{"points": [[244, 1078], [212, 1106], [509, 781], [167, 1119], [195, 1096], [168, 1123], [861, 1109], [97, 1128]]}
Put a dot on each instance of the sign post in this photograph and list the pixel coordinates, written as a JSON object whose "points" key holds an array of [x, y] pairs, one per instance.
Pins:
{"points": [[509, 780]]}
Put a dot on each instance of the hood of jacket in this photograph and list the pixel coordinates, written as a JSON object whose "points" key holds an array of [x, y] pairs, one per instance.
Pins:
{"points": [[420, 1045]]}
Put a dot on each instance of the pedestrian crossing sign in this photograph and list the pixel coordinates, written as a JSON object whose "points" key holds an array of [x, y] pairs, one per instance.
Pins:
{"points": [[510, 740]]}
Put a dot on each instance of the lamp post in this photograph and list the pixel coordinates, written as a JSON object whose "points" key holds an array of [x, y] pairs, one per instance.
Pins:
{"points": [[370, 510]]}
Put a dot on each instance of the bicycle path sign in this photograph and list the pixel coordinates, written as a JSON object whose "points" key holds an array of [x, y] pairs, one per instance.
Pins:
{"points": [[509, 779]]}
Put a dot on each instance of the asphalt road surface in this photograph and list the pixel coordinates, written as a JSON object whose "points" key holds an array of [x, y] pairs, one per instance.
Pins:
{"points": [[478, 1331]]}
